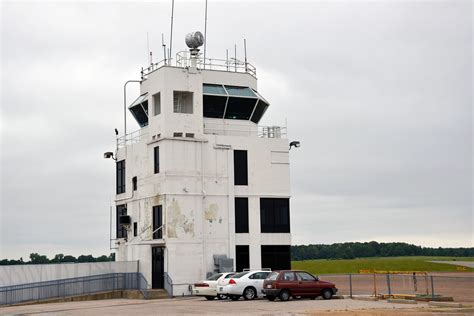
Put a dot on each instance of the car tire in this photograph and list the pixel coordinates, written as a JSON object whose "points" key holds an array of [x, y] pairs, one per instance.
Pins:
{"points": [[326, 294], [284, 295], [250, 293], [271, 298], [210, 298], [235, 297]]}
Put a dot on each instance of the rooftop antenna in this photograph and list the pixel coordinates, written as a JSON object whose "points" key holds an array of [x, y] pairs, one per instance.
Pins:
{"points": [[164, 47], [235, 57], [205, 35], [148, 48], [245, 53], [171, 35]]}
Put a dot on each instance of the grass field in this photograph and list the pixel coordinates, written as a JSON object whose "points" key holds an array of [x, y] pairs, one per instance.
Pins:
{"points": [[324, 266]]}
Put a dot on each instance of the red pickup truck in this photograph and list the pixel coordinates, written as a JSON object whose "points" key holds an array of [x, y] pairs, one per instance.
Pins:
{"points": [[290, 283]]}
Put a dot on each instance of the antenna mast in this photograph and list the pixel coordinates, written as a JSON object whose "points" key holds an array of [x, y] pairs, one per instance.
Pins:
{"points": [[171, 35], [148, 49], [164, 46], [245, 53], [205, 35]]}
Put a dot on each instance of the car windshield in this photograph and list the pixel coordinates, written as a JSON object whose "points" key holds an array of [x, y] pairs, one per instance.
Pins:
{"points": [[273, 276], [214, 277], [240, 274]]}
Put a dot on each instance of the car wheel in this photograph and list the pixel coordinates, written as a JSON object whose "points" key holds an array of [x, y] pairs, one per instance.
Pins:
{"points": [[221, 297], [284, 295], [326, 294], [250, 293], [270, 298], [210, 298], [235, 297]]}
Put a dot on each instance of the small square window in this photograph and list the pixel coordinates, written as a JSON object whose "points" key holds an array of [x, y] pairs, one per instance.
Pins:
{"points": [[183, 102], [156, 104], [190, 135], [177, 134]]}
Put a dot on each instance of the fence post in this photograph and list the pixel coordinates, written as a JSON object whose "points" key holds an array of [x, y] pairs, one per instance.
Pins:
{"points": [[350, 284], [432, 288], [388, 285]]}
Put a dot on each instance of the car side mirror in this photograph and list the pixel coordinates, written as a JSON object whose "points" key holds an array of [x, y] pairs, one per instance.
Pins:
{"points": [[316, 278]]}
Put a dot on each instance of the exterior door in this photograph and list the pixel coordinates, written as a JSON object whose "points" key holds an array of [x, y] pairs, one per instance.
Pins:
{"points": [[157, 268]]}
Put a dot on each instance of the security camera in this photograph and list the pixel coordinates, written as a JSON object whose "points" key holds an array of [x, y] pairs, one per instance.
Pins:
{"points": [[108, 155], [295, 144]]}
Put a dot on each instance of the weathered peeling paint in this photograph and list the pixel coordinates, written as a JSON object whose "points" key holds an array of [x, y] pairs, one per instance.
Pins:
{"points": [[178, 220], [211, 213]]}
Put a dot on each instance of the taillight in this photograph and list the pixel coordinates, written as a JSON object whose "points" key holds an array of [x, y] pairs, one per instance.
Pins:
{"points": [[201, 285], [232, 281]]}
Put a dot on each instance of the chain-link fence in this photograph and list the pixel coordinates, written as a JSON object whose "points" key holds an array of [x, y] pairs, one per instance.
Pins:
{"points": [[460, 288]]}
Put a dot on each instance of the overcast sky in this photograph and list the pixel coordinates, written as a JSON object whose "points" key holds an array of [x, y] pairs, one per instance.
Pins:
{"points": [[379, 93]]}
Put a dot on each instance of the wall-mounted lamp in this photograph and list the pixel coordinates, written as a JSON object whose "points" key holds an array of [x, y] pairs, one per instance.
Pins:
{"points": [[109, 154], [295, 143]]}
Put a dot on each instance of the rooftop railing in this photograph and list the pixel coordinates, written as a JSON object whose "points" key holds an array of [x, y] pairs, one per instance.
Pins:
{"points": [[183, 59], [132, 138]]}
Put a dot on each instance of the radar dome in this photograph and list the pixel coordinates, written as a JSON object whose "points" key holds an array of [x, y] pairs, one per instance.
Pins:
{"points": [[194, 40]]}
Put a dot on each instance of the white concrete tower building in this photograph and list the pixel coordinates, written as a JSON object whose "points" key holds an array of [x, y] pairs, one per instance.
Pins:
{"points": [[200, 186]]}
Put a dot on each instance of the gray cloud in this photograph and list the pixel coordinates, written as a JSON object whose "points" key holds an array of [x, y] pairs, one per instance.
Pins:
{"points": [[379, 94]]}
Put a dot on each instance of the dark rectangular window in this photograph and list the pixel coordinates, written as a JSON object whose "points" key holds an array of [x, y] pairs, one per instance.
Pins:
{"points": [[242, 258], [135, 228], [275, 215], [120, 229], [134, 182], [120, 176], [157, 222], [157, 159], [240, 167], [241, 215], [276, 257]]}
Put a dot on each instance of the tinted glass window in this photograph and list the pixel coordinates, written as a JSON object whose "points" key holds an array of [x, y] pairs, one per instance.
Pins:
{"points": [[303, 276], [259, 111], [213, 106], [240, 108], [241, 215], [214, 277], [156, 159], [135, 229], [240, 91], [120, 176], [276, 257], [230, 275], [120, 229], [242, 258], [157, 222], [240, 167], [140, 113], [288, 276], [213, 89], [275, 215]]}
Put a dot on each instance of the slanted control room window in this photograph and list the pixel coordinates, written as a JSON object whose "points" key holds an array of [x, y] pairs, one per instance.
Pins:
{"points": [[182, 102], [240, 167], [120, 176], [275, 215]]}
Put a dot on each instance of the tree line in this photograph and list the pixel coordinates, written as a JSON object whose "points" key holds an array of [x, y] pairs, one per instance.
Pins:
{"points": [[351, 250], [36, 258]]}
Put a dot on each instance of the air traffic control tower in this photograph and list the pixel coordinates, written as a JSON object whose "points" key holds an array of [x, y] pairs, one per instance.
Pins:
{"points": [[201, 187]]}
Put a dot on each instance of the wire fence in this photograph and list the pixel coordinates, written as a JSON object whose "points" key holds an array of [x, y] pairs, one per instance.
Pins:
{"points": [[460, 288], [62, 288]]}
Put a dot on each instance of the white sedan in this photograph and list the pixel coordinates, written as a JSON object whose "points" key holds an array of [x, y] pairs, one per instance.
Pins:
{"points": [[208, 288], [248, 284]]}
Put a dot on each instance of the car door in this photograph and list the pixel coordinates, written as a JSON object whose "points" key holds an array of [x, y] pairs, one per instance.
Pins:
{"points": [[288, 281], [257, 280], [308, 284]]}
